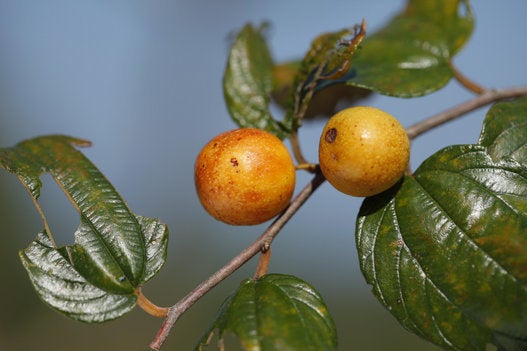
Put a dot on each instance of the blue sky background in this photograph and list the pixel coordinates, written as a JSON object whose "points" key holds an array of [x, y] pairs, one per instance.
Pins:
{"points": [[142, 80]]}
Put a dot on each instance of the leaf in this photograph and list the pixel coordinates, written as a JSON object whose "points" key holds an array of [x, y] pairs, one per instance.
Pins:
{"points": [[410, 55], [115, 251], [63, 288], [326, 61], [248, 82], [276, 312], [324, 103], [446, 251], [505, 130]]}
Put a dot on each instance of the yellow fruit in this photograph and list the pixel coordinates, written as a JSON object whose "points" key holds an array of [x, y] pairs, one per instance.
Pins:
{"points": [[363, 151], [244, 176]]}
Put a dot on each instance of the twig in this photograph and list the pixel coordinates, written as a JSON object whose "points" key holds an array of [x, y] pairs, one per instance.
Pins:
{"points": [[465, 107], [263, 241], [262, 244], [306, 89]]}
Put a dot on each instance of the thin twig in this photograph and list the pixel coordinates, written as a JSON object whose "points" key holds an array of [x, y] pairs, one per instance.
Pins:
{"points": [[306, 89], [452, 113], [263, 241]]}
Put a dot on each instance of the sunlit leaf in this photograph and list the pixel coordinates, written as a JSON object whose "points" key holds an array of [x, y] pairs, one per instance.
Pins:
{"points": [[410, 55], [505, 130], [63, 288], [276, 312], [248, 82], [115, 251], [446, 250]]}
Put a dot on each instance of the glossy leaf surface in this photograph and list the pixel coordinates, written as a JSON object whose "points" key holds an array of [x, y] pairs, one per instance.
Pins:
{"points": [[115, 251], [505, 131], [276, 312], [410, 55], [248, 82], [446, 251], [62, 287]]}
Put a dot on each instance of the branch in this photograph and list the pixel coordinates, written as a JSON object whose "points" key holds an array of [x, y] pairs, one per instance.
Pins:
{"points": [[454, 112], [262, 243]]}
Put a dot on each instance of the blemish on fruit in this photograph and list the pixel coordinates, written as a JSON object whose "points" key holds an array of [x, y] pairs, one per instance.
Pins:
{"points": [[234, 162], [331, 135], [373, 151]]}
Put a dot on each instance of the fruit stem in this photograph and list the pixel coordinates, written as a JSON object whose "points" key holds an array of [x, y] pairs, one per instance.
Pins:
{"points": [[149, 307], [297, 150], [310, 167]]}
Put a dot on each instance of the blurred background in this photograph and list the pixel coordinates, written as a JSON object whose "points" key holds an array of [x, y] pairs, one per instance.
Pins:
{"points": [[142, 81]]}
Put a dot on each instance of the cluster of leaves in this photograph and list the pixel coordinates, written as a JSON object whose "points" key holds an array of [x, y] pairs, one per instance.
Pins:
{"points": [[409, 57], [444, 249], [115, 251]]}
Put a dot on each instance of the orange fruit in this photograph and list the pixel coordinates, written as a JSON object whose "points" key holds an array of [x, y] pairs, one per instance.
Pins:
{"points": [[363, 151], [244, 176]]}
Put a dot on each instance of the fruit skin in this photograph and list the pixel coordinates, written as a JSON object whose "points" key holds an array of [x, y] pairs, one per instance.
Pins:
{"points": [[244, 176], [363, 151]]}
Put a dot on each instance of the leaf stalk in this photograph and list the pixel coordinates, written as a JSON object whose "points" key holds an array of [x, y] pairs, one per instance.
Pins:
{"points": [[149, 307]]}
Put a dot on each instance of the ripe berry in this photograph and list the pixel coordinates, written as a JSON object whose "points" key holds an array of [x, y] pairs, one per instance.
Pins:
{"points": [[363, 151], [244, 176]]}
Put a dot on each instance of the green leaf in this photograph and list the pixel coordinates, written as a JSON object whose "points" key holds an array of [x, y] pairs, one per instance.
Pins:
{"points": [[446, 250], [505, 130], [410, 55], [326, 61], [275, 312], [61, 286], [248, 82], [324, 103], [115, 251]]}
